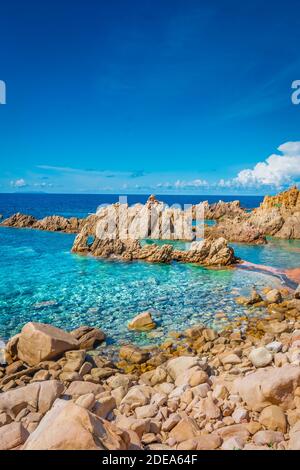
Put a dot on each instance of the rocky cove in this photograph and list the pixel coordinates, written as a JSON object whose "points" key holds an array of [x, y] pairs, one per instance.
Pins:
{"points": [[233, 385]]}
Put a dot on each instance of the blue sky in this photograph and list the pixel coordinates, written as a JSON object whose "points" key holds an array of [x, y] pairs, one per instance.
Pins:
{"points": [[149, 96]]}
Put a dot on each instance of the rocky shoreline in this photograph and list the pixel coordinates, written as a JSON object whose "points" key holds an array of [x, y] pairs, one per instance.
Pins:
{"points": [[201, 389]]}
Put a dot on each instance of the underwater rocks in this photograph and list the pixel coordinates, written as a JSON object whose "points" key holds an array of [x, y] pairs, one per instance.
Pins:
{"points": [[142, 322], [54, 223]]}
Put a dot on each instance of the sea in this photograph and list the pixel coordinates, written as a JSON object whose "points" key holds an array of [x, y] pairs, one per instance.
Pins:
{"points": [[41, 280]]}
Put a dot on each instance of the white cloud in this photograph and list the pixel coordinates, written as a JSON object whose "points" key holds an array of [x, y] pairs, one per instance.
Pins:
{"points": [[19, 183], [277, 170]]}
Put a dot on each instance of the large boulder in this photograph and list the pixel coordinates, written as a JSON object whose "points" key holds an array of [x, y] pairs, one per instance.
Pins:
{"points": [[68, 426], [40, 342], [269, 386]]}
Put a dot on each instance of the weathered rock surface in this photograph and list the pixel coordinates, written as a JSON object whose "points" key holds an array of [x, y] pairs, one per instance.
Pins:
{"points": [[71, 427], [39, 342], [54, 223]]}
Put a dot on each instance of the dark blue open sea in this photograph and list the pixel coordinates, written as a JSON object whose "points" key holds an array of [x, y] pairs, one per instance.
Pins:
{"points": [[41, 280]]}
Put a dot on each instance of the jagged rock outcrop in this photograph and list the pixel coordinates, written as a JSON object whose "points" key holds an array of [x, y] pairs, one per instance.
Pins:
{"points": [[279, 215], [238, 230], [206, 252], [57, 223], [222, 209], [19, 220], [53, 223]]}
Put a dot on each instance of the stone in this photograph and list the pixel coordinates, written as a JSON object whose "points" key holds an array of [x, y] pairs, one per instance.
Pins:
{"points": [[231, 359], [269, 386], [297, 292], [233, 443], [209, 408], [240, 415], [39, 342], [68, 426], [4, 419], [39, 396], [146, 411], [86, 401], [142, 322], [186, 429], [40, 376], [120, 380], [14, 367], [12, 435], [273, 417], [69, 376], [104, 406], [235, 430], [88, 337], [274, 347], [76, 389], [197, 378], [133, 354], [267, 437], [294, 443], [260, 357], [274, 296], [180, 365], [204, 442], [75, 360], [138, 395], [171, 422]]}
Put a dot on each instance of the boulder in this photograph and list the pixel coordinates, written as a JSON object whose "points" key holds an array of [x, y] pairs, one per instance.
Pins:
{"points": [[297, 293], [68, 426], [269, 386], [186, 429], [238, 431], [273, 417], [138, 395], [75, 359], [260, 357], [12, 435], [180, 365], [142, 322], [39, 342], [267, 437], [133, 354], [274, 296], [39, 396], [77, 388], [88, 337]]}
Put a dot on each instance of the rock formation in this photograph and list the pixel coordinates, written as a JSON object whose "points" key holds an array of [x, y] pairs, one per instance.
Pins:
{"points": [[54, 223]]}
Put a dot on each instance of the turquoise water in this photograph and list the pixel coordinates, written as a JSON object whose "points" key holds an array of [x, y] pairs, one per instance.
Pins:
{"points": [[40, 280]]}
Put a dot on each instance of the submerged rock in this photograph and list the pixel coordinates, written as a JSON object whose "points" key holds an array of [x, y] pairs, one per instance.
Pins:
{"points": [[142, 322]]}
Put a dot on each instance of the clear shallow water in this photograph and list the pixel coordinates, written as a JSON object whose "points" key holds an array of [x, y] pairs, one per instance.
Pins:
{"points": [[41, 280]]}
